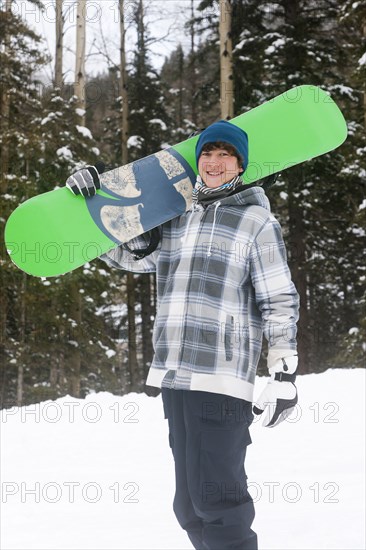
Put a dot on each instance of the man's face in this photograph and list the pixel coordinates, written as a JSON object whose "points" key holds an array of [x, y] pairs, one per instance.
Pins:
{"points": [[217, 167]]}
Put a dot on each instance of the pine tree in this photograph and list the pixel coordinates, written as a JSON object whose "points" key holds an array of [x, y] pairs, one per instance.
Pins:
{"points": [[276, 47], [84, 335], [148, 117], [191, 81], [352, 179], [20, 108], [309, 46], [148, 123], [39, 332]]}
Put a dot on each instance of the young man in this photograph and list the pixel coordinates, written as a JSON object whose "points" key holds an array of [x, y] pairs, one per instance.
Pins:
{"points": [[222, 282]]}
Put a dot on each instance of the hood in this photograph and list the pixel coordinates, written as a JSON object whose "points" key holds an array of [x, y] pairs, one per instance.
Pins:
{"points": [[253, 195]]}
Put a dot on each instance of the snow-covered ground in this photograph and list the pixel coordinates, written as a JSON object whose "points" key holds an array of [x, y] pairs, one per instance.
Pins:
{"points": [[98, 473]]}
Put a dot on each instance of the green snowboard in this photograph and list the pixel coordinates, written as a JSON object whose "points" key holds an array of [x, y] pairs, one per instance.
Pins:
{"points": [[56, 232]]}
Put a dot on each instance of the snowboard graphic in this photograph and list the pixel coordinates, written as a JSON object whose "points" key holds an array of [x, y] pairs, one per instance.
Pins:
{"points": [[56, 232]]}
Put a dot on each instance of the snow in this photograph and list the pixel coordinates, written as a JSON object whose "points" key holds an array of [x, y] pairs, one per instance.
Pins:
{"points": [[98, 473], [275, 45], [80, 112], [48, 118], [84, 131], [64, 152], [135, 141], [160, 122], [73, 343], [362, 60], [359, 231], [344, 90], [240, 45]]}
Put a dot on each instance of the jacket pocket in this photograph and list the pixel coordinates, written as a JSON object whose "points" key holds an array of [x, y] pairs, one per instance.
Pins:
{"points": [[160, 340], [222, 457], [228, 337]]}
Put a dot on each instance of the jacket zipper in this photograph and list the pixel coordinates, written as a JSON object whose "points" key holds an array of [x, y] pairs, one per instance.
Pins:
{"points": [[209, 253], [217, 204]]}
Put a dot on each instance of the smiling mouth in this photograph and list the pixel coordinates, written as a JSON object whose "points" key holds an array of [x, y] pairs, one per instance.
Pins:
{"points": [[214, 173]]}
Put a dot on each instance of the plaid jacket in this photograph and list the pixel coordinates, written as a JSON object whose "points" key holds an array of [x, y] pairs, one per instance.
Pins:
{"points": [[222, 281]]}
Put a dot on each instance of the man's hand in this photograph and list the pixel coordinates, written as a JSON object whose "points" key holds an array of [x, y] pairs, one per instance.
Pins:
{"points": [[279, 397], [84, 182]]}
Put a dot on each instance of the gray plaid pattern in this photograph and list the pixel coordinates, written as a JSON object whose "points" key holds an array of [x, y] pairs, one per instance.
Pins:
{"points": [[223, 281]]}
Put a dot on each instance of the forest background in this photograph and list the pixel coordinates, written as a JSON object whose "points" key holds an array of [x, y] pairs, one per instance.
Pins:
{"points": [[90, 330]]}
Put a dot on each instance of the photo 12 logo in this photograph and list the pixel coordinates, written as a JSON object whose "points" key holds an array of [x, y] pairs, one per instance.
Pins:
{"points": [[73, 411], [34, 13], [69, 491]]}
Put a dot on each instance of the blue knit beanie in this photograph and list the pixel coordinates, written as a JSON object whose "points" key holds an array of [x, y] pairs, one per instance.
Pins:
{"points": [[225, 132]]}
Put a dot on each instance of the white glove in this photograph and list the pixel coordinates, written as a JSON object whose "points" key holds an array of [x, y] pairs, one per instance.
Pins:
{"points": [[279, 397], [84, 182]]}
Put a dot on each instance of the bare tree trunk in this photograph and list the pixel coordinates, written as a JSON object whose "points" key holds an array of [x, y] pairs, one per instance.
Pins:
{"points": [[3, 313], [61, 379], [297, 226], [59, 44], [130, 282], [4, 170], [54, 372], [299, 277], [123, 85], [80, 56], [75, 360], [147, 315], [22, 338], [3, 384], [148, 310], [57, 368], [5, 108], [364, 85], [226, 61], [193, 76], [181, 88], [139, 18], [132, 348], [75, 355]]}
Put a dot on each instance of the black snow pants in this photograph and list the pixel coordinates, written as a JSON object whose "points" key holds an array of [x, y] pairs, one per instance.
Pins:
{"points": [[208, 435]]}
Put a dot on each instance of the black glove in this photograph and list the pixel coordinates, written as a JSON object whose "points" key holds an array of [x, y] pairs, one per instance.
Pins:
{"points": [[154, 238], [85, 181]]}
